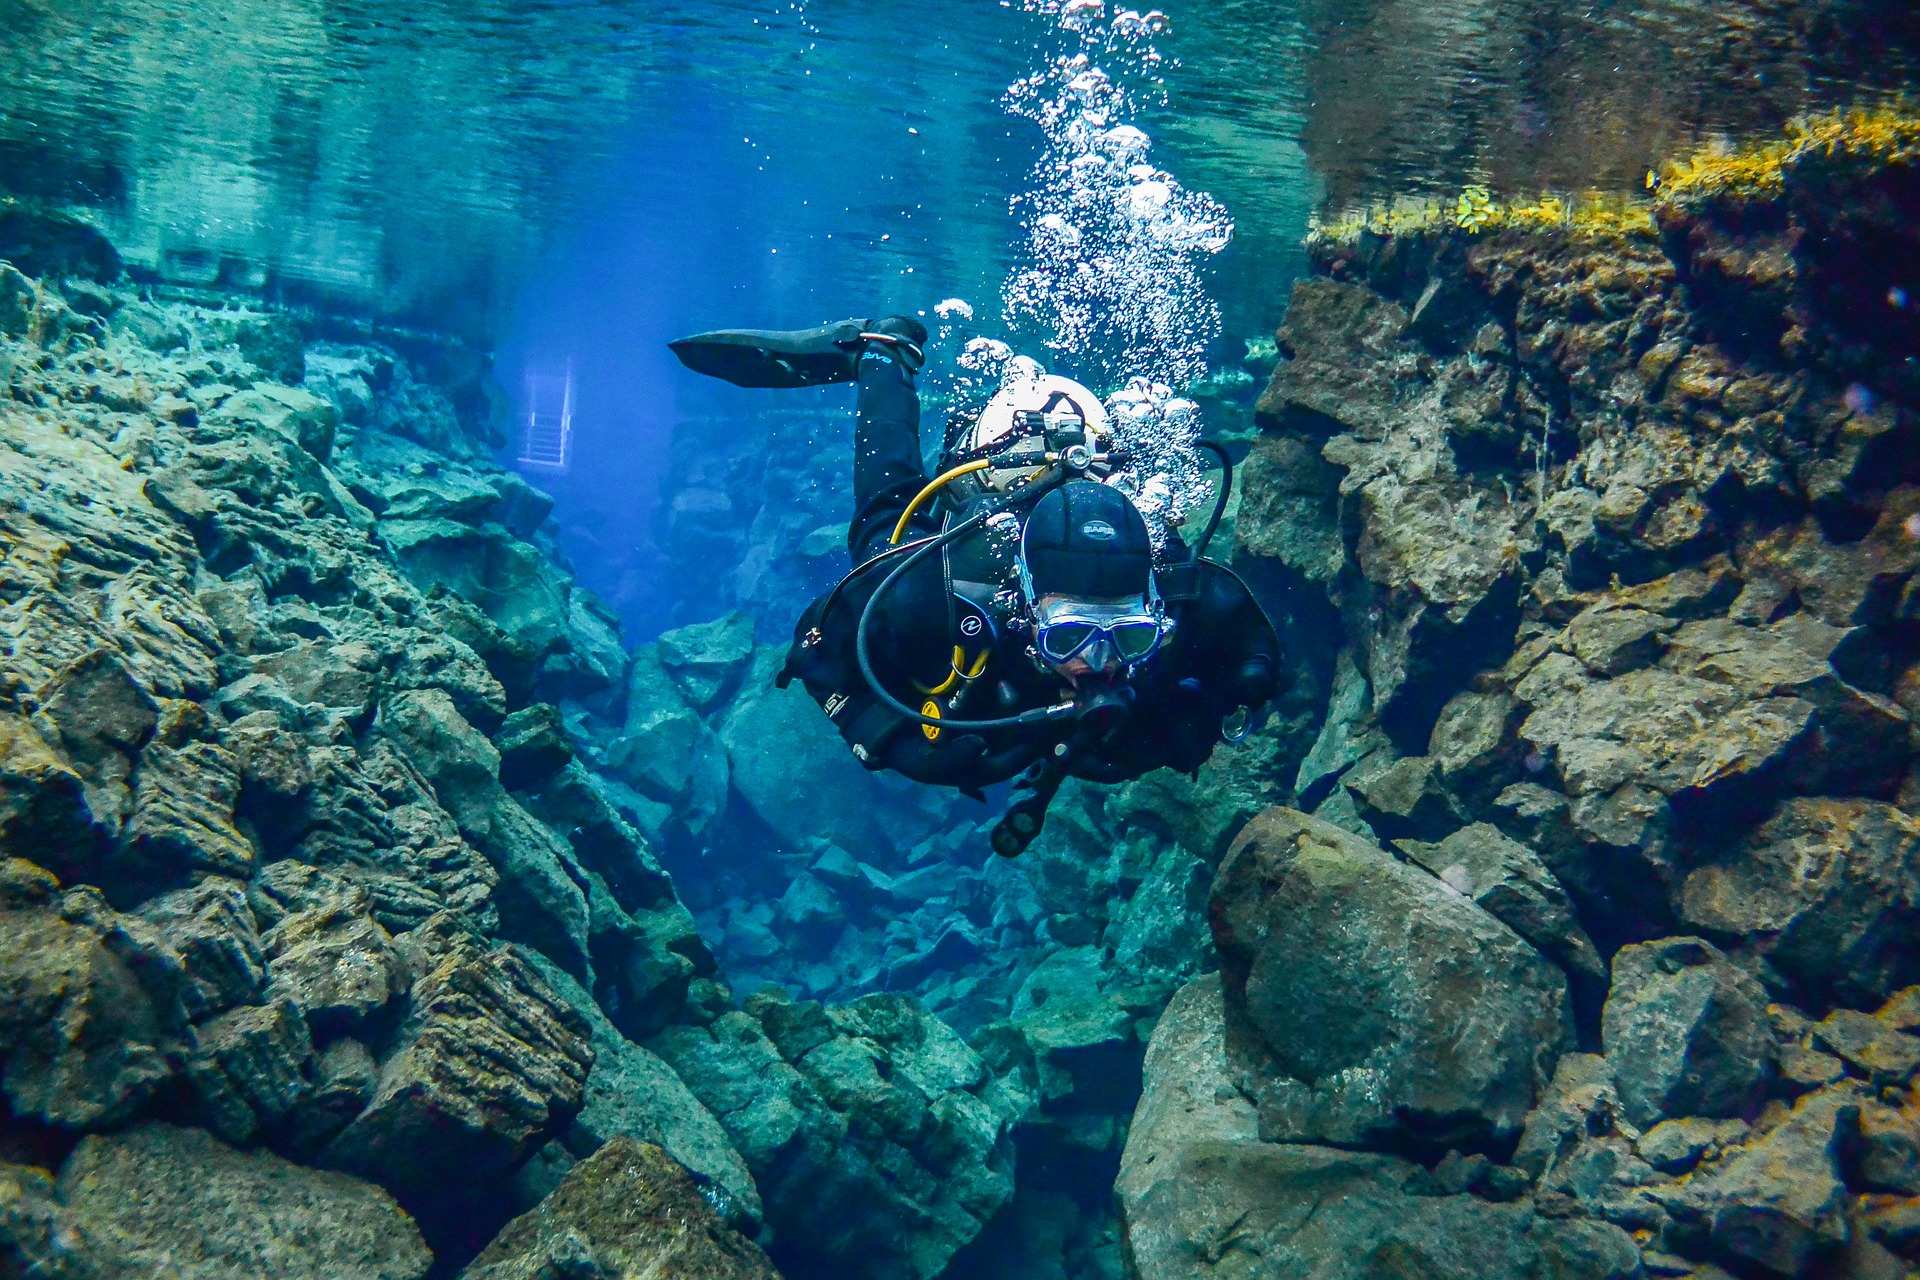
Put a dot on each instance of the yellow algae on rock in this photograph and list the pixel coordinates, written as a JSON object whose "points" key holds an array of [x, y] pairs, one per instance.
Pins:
{"points": [[1874, 137]]}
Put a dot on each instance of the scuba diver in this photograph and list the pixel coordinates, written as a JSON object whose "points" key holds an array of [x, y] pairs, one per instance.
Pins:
{"points": [[1009, 617]]}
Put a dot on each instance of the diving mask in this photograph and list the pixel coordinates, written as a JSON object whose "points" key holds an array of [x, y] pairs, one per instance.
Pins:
{"points": [[1065, 629]]}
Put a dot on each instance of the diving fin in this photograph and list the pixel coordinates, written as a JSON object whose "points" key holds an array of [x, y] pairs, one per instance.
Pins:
{"points": [[776, 358]]}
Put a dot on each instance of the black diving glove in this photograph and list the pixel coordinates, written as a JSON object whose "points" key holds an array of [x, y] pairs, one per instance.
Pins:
{"points": [[1033, 792]]}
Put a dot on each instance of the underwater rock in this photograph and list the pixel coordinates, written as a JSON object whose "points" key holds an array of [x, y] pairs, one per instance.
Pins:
{"points": [[1579, 1103], [666, 751], [249, 1068], [212, 928], [1866, 1043], [632, 1094], [704, 659], [182, 820], [489, 1064], [1201, 1195], [533, 746], [1828, 889], [872, 1130], [795, 773], [1289, 511], [1779, 1201], [335, 963], [1368, 1002], [43, 804], [92, 1022], [161, 1200], [540, 903], [627, 1210], [38, 1236], [1508, 881], [1685, 1031]]}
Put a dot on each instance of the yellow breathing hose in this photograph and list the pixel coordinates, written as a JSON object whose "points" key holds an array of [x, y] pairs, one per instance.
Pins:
{"points": [[920, 498], [960, 671]]}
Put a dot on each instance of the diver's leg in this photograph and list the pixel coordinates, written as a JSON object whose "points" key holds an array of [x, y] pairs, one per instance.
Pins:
{"points": [[887, 469]]}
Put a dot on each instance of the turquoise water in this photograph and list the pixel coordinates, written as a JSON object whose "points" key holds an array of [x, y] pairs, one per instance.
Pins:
{"points": [[1594, 560]]}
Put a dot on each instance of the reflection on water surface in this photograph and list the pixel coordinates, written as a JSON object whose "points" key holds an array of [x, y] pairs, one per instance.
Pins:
{"points": [[410, 160]]}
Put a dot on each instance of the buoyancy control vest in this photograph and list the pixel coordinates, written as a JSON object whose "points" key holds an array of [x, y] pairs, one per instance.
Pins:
{"points": [[955, 641], [954, 635]]}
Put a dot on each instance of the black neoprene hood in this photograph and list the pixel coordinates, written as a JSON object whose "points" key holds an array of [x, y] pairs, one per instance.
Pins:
{"points": [[1088, 540]]}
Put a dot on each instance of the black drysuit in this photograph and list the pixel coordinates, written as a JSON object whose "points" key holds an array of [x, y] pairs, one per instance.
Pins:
{"points": [[1223, 653]]}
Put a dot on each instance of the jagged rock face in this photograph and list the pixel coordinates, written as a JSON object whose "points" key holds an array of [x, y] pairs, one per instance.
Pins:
{"points": [[627, 1210], [1369, 1002], [299, 790], [1615, 535]]}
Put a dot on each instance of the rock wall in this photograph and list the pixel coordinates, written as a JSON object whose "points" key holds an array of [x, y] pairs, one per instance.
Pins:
{"points": [[332, 818], [1594, 956]]}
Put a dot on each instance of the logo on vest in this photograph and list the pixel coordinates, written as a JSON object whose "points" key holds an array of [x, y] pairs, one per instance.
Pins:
{"points": [[1099, 530]]}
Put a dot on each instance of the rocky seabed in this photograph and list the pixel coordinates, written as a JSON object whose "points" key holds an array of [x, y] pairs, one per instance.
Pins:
{"points": [[368, 909]]}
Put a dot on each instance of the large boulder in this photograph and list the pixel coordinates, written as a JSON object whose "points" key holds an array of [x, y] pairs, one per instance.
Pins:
{"points": [[1369, 1002], [1202, 1198], [627, 1210], [1686, 1032], [158, 1200]]}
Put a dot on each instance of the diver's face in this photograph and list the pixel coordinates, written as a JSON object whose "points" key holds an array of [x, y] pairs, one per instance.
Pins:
{"points": [[1056, 617]]}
